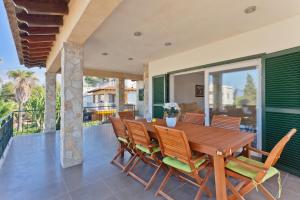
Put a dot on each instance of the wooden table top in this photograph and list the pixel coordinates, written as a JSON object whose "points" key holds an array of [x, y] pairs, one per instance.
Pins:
{"points": [[209, 140]]}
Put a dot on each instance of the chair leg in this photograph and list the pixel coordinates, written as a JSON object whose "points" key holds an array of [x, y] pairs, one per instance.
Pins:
{"points": [[201, 184], [152, 179], [234, 191], [163, 184], [247, 188], [133, 165], [119, 152], [126, 167], [265, 192]]}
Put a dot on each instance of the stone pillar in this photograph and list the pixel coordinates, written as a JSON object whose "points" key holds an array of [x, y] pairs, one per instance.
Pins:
{"points": [[71, 132], [146, 89], [120, 93], [50, 103]]}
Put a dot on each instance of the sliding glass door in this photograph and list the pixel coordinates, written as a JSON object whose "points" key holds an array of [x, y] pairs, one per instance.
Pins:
{"points": [[234, 90]]}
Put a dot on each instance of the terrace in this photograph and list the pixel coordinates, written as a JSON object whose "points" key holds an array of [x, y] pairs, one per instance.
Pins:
{"points": [[242, 62], [35, 158]]}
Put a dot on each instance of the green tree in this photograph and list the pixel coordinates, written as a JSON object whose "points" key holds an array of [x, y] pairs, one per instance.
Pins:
{"points": [[58, 105], [6, 107], [7, 91], [249, 97], [36, 102], [23, 83]]}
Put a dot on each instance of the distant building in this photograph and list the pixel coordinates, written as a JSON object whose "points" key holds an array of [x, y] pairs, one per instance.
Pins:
{"points": [[104, 95]]}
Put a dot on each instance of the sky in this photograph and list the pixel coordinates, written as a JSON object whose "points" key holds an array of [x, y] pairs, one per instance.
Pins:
{"points": [[8, 54]]}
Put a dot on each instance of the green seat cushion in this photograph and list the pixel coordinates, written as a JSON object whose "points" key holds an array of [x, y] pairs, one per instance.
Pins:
{"points": [[173, 162], [146, 150], [236, 167], [123, 140]]}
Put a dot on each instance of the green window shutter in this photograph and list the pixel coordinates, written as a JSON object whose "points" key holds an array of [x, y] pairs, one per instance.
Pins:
{"points": [[282, 83], [160, 94], [282, 106], [158, 90]]}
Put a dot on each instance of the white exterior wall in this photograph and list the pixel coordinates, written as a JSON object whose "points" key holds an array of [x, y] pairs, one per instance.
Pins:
{"points": [[272, 38]]}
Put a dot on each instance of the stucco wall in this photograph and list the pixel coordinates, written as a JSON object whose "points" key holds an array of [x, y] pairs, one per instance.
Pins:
{"points": [[272, 38]]}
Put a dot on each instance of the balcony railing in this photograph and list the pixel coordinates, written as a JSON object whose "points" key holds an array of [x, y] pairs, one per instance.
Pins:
{"points": [[32, 121], [6, 132]]}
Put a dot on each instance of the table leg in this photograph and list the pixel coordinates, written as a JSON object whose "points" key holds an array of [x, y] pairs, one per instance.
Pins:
{"points": [[220, 181], [246, 151]]}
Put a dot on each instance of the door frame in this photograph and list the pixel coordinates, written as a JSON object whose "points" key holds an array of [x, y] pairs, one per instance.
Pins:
{"points": [[257, 63]]}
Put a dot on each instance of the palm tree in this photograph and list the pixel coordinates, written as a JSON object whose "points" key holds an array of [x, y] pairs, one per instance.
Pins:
{"points": [[23, 82]]}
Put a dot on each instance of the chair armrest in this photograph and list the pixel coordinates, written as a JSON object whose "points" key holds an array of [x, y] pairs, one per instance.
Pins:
{"points": [[248, 165], [258, 151], [195, 160]]}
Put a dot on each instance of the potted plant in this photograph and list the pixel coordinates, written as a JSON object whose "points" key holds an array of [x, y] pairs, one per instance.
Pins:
{"points": [[171, 111]]}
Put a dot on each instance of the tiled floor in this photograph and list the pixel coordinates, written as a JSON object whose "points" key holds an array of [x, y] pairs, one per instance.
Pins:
{"points": [[32, 171]]}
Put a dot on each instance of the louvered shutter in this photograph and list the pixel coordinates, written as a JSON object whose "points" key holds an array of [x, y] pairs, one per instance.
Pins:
{"points": [[282, 106]]}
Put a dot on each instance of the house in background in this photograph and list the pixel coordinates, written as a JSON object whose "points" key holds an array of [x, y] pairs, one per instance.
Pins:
{"points": [[105, 94]]}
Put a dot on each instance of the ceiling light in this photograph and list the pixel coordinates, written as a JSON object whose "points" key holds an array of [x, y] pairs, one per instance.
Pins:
{"points": [[250, 9], [168, 43], [137, 33], [104, 54], [130, 58]]}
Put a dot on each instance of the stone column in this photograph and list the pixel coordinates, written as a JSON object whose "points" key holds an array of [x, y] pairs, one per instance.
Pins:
{"points": [[71, 132], [50, 103], [146, 89], [120, 93]]}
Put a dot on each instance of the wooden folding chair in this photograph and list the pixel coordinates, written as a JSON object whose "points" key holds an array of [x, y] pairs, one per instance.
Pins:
{"points": [[194, 118], [124, 143], [222, 121], [178, 156], [127, 115], [253, 173], [145, 150]]}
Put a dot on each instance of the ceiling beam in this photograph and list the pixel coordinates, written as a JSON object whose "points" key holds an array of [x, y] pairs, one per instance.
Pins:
{"points": [[40, 20], [41, 7], [29, 54], [37, 45], [38, 57], [111, 74], [38, 38], [39, 60], [37, 50], [38, 30]]}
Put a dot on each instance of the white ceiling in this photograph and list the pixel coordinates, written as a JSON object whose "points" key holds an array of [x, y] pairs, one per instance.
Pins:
{"points": [[187, 24]]}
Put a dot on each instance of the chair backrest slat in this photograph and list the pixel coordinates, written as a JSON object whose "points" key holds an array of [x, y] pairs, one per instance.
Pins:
{"points": [[118, 126], [222, 121], [127, 115], [195, 118], [137, 133], [174, 143]]}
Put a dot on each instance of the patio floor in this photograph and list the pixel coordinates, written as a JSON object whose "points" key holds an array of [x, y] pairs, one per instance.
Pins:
{"points": [[32, 171]]}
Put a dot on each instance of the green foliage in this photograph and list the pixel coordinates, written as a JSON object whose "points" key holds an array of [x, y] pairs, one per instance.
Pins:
{"points": [[7, 91], [249, 97], [6, 107], [36, 102], [58, 105]]}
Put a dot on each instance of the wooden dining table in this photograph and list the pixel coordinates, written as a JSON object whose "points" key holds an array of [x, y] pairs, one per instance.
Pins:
{"points": [[215, 142]]}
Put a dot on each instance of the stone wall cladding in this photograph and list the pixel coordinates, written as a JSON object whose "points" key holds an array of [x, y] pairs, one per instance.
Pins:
{"points": [[50, 103], [120, 93], [71, 107]]}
